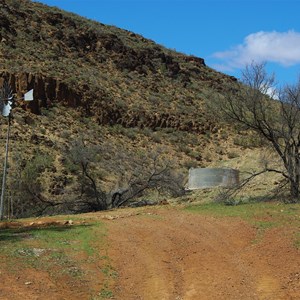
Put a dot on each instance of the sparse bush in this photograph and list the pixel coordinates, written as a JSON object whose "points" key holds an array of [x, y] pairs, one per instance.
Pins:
{"points": [[156, 137], [191, 164], [232, 154], [25, 184], [131, 133]]}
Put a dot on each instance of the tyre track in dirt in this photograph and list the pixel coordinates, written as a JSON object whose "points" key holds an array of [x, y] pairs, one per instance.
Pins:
{"points": [[170, 254]]}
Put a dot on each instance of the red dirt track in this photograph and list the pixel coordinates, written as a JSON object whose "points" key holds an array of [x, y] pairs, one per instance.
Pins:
{"points": [[166, 253], [172, 255]]}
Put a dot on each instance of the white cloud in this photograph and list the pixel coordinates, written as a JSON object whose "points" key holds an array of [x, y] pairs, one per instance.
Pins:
{"points": [[277, 47]]}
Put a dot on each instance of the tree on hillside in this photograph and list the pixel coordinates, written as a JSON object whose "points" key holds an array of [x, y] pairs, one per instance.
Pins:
{"points": [[251, 103], [148, 173], [91, 195]]}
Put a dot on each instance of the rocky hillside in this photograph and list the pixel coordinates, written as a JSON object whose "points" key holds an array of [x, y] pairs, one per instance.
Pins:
{"points": [[113, 74], [104, 86]]}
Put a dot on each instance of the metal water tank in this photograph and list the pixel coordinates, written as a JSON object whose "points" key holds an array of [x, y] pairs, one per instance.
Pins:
{"points": [[201, 178]]}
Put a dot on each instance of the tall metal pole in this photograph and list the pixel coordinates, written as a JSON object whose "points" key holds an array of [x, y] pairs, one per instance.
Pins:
{"points": [[6, 104], [4, 171]]}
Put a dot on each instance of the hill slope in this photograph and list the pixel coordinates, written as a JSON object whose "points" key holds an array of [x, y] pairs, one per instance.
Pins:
{"points": [[114, 74], [103, 86]]}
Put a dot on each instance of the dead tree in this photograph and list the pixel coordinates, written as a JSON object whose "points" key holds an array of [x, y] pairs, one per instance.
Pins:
{"points": [[255, 104], [151, 172]]}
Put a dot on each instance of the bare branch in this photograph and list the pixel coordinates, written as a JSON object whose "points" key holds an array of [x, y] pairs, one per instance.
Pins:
{"points": [[252, 103]]}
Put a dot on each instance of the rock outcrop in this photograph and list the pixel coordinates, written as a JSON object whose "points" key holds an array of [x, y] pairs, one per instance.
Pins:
{"points": [[114, 75], [46, 90]]}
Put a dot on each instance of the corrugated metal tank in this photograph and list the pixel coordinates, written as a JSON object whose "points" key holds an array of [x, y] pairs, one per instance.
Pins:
{"points": [[201, 178]]}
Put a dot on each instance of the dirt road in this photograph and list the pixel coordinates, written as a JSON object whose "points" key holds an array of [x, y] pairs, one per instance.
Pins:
{"points": [[168, 254], [158, 253]]}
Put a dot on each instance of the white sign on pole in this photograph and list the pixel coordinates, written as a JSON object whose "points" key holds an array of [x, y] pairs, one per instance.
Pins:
{"points": [[28, 96]]}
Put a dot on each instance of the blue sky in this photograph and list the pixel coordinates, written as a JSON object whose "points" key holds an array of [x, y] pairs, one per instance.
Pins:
{"points": [[226, 33]]}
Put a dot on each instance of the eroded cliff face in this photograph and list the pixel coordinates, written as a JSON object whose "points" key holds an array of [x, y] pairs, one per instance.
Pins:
{"points": [[46, 90], [49, 91], [114, 75]]}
